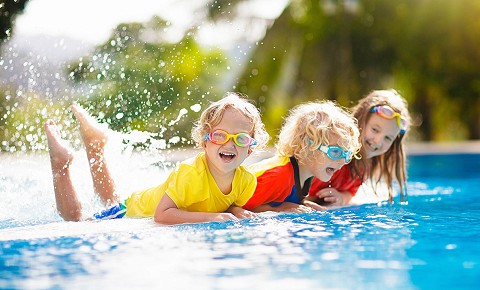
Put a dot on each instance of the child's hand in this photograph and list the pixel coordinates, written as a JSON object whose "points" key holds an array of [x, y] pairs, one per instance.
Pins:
{"points": [[313, 205], [224, 217], [333, 197], [241, 213], [293, 207]]}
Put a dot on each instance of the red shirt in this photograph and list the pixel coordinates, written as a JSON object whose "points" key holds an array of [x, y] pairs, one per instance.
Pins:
{"points": [[275, 181], [341, 181]]}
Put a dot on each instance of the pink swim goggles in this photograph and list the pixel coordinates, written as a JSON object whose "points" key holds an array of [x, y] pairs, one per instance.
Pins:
{"points": [[388, 113]]}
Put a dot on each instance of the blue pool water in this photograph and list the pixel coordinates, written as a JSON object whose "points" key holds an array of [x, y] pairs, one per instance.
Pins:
{"points": [[431, 243]]}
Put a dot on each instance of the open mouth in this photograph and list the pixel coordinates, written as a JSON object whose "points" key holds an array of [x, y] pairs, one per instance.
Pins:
{"points": [[371, 146], [227, 156]]}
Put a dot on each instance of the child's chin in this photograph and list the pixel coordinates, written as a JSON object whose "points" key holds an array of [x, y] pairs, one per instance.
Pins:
{"points": [[325, 178]]}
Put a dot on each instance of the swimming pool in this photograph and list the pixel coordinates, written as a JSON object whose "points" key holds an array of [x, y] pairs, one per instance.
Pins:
{"points": [[431, 243]]}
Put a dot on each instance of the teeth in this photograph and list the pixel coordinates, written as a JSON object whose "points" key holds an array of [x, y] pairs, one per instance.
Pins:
{"points": [[229, 154]]}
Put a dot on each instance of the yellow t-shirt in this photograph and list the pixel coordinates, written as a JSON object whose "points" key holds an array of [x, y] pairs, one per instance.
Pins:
{"points": [[192, 188]]}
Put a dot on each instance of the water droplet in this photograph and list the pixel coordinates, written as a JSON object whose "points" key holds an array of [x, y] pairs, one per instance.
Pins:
{"points": [[196, 108]]}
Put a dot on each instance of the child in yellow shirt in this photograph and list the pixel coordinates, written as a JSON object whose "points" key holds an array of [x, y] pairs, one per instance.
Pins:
{"points": [[212, 186]]}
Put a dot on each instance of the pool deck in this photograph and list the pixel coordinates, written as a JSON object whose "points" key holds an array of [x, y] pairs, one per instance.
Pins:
{"points": [[423, 148]]}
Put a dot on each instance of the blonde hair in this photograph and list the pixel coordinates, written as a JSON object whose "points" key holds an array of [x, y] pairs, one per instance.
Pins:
{"points": [[213, 115], [391, 164], [312, 124]]}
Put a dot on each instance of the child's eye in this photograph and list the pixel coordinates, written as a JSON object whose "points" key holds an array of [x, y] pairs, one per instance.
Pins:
{"points": [[388, 139]]}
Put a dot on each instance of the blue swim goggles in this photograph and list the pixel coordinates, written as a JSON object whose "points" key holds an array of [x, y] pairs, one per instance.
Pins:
{"points": [[336, 152]]}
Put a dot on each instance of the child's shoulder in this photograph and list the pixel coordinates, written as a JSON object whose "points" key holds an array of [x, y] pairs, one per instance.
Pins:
{"points": [[196, 163], [269, 163], [244, 172]]}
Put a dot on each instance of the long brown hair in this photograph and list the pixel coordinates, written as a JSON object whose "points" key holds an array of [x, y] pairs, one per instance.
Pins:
{"points": [[392, 164]]}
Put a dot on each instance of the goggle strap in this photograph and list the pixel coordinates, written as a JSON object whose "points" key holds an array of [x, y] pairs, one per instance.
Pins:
{"points": [[396, 115]]}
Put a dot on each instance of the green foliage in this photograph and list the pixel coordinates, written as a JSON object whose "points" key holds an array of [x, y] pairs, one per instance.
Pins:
{"points": [[9, 9], [140, 79], [341, 50], [142, 82], [220, 9]]}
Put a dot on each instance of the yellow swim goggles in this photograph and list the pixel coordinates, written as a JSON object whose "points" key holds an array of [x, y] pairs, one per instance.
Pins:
{"points": [[222, 137]]}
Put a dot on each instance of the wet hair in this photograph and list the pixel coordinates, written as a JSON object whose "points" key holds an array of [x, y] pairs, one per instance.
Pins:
{"points": [[312, 124], [213, 115], [392, 164]]}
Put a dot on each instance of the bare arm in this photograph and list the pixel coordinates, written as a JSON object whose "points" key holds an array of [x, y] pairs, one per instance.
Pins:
{"points": [[168, 213], [241, 213]]}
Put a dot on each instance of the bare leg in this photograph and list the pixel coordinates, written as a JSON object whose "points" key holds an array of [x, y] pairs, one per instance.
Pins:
{"points": [[95, 137], [61, 157]]}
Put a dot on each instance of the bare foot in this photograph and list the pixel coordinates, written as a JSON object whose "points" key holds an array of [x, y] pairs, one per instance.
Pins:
{"points": [[93, 133], [94, 137], [60, 153]]}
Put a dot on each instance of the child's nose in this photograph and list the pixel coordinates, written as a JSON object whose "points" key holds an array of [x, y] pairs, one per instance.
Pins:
{"points": [[378, 141], [230, 143]]}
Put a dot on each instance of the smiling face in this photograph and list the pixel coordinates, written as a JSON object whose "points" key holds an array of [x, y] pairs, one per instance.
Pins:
{"points": [[378, 135], [223, 159]]}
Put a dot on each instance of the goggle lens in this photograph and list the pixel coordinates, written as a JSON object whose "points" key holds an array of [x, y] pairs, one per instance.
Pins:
{"points": [[389, 113], [221, 137], [336, 153]]}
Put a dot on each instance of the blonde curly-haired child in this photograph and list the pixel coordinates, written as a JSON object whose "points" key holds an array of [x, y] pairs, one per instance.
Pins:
{"points": [[316, 139]]}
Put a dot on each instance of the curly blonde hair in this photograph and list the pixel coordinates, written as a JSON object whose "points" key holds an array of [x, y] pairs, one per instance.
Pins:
{"points": [[312, 124], [213, 115]]}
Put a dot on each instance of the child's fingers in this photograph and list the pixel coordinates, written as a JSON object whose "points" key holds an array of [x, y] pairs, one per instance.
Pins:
{"points": [[227, 217], [326, 192], [304, 209], [250, 214], [233, 217], [314, 205], [246, 215], [331, 199]]}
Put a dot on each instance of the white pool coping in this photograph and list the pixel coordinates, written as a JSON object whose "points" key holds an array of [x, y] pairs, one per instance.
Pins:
{"points": [[425, 148]]}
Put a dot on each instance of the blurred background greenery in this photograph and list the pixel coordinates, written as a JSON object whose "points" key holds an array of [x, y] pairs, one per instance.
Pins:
{"points": [[315, 49]]}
